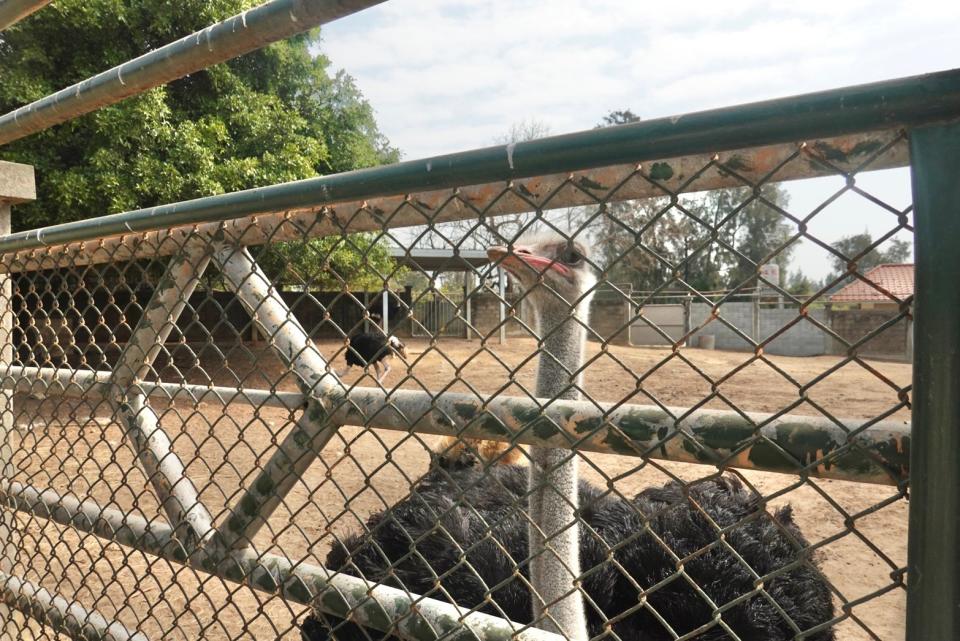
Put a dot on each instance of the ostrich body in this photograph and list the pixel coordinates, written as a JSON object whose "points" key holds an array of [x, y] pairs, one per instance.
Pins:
{"points": [[373, 349], [469, 529]]}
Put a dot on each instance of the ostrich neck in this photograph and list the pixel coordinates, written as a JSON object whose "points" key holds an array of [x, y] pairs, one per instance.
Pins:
{"points": [[561, 356]]}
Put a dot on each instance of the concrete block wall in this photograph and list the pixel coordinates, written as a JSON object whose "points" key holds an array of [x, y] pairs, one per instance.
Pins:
{"points": [[802, 339], [609, 318], [854, 324], [486, 314]]}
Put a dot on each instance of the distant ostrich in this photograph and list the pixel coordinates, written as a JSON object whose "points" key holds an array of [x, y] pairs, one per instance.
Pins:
{"points": [[373, 349], [477, 540]]}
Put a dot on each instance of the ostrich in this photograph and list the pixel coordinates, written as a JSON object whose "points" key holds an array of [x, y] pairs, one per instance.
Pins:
{"points": [[371, 349], [463, 535], [559, 282]]}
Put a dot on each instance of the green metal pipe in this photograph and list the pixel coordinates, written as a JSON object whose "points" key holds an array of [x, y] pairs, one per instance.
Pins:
{"points": [[791, 161], [217, 43], [933, 557], [63, 615], [13, 11], [376, 606], [790, 444], [907, 101]]}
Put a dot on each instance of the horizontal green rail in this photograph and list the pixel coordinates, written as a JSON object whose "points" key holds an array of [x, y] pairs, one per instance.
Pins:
{"points": [[860, 451], [884, 105], [13, 11], [217, 43]]}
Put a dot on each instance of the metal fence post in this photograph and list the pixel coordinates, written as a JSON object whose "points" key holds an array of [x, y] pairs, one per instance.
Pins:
{"points": [[16, 186], [933, 558]]}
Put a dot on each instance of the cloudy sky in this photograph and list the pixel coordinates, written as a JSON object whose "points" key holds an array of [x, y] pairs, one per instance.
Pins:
{"points": [[451, 75]]}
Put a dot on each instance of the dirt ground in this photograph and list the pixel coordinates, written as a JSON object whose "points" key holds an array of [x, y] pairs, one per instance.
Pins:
{"points": [[859, 530]]}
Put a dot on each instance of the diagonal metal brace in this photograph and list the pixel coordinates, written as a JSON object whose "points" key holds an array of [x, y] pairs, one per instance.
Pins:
{"points": [[312, 430], [166, 472]]}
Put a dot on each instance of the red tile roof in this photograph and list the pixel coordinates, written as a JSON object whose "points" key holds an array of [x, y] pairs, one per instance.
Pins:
{"points": [[896, 279]]}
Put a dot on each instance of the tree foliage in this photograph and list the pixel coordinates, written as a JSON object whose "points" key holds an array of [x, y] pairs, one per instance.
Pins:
{"points": [[851, 248], [271, 116], [358, 262], [711, 241]]}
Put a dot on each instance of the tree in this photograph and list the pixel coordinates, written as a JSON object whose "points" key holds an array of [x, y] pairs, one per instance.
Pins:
{"points": [[271, 116], [851, 248], [799, 284], [647, 243], [498, 230], [333, 263]]}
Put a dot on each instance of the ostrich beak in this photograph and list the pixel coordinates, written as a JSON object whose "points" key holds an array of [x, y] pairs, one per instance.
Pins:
{"points": [[512, 261]]}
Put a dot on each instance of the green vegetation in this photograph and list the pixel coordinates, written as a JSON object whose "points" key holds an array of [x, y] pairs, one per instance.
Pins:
{"points": [[649, 242], [271, 116]]}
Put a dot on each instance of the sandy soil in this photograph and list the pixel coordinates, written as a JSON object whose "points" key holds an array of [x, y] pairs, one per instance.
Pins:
{"points": [[859, 530]]}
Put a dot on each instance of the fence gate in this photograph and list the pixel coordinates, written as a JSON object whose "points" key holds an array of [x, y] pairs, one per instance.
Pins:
{"points": [[555, 487], [439, 314]]}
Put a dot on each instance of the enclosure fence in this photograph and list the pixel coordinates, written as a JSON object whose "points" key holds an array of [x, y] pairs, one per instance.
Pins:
{"points": [[183, 456]]}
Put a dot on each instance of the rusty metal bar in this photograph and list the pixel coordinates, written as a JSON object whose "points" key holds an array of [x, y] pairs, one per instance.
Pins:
{"points": [[879, 452], [13, 11], [217, 43], [305, 209], [379, 607], [64, 616], [321, 388]]}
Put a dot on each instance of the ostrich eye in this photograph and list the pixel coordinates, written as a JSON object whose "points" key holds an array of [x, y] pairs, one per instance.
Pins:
{"points": [[570, 256]]}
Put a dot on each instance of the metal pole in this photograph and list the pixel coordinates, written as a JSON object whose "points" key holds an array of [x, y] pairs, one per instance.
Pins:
{"points": [[385, 316], [217, 43], [163, 468], [468, 303], [933, 556], [60, 614], [289, 211], [13, 11], [502, 286], [877, 452], [380, 607], [312, 430], [16, 185]]}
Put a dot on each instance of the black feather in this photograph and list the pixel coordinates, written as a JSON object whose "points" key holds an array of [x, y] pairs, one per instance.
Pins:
{"points": [[462, 540]]}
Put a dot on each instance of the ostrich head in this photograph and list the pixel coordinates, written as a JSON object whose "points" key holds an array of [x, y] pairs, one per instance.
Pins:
{"points": [[398, 346], [556, 271]]}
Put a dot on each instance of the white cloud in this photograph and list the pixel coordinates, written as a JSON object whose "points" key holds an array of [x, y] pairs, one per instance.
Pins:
{"points": [[449, 75]]}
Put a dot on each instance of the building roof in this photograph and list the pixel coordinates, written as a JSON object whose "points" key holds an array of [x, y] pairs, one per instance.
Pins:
{"points": [[896, 279], [440, 260]]}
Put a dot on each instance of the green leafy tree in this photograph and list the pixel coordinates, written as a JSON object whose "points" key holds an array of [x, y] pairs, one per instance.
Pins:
{"points": [[799, 284], [334, 263], [647, 243], [271, 116], [897, 251]]}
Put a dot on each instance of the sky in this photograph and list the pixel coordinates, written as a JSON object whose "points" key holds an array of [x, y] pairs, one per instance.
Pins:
{"points": [[453, 75]]}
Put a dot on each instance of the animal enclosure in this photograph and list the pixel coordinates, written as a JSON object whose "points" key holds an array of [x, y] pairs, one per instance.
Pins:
{"points": [[181, 460]]}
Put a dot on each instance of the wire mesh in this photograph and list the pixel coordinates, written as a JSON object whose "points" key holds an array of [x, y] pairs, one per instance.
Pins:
{"points": [[640, 422]]}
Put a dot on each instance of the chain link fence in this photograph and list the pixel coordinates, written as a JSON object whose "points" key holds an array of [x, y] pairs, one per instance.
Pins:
{"points": [[187, 455]]}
